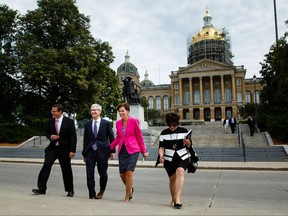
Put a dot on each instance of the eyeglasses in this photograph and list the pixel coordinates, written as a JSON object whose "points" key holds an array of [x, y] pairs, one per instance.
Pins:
{"points": [[95, 110]]}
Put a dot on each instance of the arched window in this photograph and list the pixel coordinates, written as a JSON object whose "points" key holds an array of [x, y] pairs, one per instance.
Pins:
{"points": [[248, 96], [166, 102], [158, 103], [257, 99], [151, 104]]}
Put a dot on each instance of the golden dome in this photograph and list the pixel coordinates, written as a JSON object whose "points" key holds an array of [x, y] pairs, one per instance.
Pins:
{"points": [[208, 32]]}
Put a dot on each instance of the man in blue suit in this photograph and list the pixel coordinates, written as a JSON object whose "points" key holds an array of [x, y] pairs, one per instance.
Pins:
{"points": [[98, 135]]}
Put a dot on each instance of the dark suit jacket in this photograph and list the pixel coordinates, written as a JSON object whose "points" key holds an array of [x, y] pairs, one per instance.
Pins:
{"points": [[67, 134], [104, 137], [251, 122], [230, 121]]}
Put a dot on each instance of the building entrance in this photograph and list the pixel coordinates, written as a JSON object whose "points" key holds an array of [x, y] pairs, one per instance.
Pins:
{"points": [[207, 114]]}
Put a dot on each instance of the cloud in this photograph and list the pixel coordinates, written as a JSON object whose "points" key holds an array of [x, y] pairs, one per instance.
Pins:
{"points": [[155, 31]]}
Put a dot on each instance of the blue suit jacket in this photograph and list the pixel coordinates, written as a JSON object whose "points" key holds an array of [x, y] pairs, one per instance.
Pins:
{"points": [[104, 137]]}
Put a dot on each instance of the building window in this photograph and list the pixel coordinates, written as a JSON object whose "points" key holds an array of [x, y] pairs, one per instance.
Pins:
{"points": [[217, 96], [166, 102], [228, 96], [248, 96], [151, 105], [176, 100], [239, 97], [206, 97], [238, 82], [158, 103], [257, 99], [186, 98], [196, 97], [176, 85], [186, 114]]}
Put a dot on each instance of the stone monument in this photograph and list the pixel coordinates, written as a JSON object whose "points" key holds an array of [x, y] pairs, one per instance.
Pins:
{"points": [[131, 96]]}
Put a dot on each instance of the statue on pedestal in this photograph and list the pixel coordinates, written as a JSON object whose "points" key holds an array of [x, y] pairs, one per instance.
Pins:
{"points": [[130, 94]]}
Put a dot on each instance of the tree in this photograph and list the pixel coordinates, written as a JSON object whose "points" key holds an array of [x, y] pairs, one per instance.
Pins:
{"points": [[274, 102], [9, 85], [61, 62]]}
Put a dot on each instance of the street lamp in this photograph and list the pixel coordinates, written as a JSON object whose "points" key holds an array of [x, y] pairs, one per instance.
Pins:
{"points": [[255, 96]]}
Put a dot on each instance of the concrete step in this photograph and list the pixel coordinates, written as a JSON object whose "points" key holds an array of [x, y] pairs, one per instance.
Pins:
{"points": [[270, 153]]}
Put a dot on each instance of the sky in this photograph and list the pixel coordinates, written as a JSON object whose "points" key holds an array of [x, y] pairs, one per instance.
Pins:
{"points": [[155, 32]]}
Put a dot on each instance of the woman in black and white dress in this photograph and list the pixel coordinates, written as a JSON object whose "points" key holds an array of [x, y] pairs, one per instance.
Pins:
{"points": [[173, 154]]}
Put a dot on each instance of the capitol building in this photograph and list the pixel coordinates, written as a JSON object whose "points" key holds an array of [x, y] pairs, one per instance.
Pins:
{"points": [[208, 88]]}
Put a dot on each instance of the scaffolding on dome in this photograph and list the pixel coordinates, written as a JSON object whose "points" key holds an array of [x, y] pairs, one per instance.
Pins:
{"points": [[213, 49]]}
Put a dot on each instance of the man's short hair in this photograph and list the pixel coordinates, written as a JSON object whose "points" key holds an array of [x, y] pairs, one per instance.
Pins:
{"points": [[96, 106]]}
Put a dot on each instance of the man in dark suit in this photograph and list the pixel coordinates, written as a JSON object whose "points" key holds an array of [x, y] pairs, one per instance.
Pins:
{"points": [[98, 135], [232, 123], [62, 135], [251, 124]]}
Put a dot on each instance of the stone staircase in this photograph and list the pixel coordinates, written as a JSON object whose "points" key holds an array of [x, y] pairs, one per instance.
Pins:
{"points": [[209, 140]]}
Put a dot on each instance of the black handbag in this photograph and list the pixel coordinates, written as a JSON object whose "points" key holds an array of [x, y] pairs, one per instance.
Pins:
{"points": [[193, 161]]}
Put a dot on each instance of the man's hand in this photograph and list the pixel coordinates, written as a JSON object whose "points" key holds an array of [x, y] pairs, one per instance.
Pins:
{"points": [[71, 155]]}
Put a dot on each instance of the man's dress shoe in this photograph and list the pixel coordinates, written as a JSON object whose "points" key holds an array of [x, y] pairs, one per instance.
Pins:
{"points": [[99, 195], [70, 194], [39, 191]]}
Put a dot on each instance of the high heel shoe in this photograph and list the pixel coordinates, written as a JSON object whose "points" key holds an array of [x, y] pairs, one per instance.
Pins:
{"points": [[177, 205], [131, 195]]}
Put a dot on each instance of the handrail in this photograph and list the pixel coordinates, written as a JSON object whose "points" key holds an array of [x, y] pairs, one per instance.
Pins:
{"points": [[243, 146], [241, 142]]}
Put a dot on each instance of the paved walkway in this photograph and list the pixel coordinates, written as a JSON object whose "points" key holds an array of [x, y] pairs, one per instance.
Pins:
{"points": [[207, 192]]}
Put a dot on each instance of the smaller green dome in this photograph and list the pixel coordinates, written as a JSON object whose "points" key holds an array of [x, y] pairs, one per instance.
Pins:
{"points": [[146, 82], [128, 67]]}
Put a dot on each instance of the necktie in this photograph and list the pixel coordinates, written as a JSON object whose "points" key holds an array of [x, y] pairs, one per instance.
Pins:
{"points": [[95, 135], [57, 130]]}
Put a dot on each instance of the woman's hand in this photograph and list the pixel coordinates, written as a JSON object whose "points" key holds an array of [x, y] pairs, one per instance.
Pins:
{"points": [[187, 142], [145, 155], [161, 159]]}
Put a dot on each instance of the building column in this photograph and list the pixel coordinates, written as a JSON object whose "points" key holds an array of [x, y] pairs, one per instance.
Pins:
{"points": [[180, 113], [243, 91], [201, 90], [223, 114], [172, 95], [180, 93], [212, 114], [233, 88], [234, 111], [201, 109], [222, 90], [191, 116], [190, 91], [211, 90]]}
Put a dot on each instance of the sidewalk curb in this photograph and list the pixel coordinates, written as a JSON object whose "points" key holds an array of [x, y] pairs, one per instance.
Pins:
{"points": [[205, 165]]}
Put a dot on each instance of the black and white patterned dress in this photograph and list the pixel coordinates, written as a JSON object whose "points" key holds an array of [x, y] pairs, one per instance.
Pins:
{"points": [[175, 154]]}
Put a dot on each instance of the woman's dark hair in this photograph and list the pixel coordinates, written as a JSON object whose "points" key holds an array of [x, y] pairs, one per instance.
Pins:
{"points": [[172, 118], [125, 105]]}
